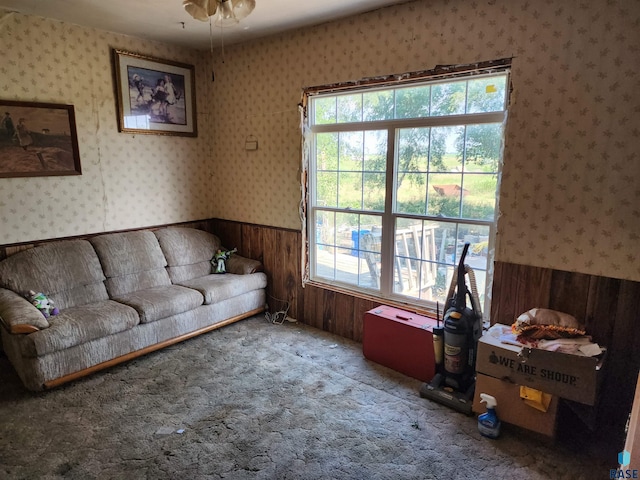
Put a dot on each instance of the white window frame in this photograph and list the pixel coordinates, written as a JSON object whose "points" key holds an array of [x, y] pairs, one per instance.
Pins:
{"points": [[389, 216]]}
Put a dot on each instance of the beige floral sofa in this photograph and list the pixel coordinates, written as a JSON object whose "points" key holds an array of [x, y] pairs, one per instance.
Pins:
{"points": [[120, 295]]}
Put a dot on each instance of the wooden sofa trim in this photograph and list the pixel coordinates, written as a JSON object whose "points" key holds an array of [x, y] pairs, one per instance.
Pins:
{"points": [[17, 329], [151, 348], [23, 329]]}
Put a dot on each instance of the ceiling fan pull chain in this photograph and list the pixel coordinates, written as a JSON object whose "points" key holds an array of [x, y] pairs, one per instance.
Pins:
{"points": [[222, 41]]}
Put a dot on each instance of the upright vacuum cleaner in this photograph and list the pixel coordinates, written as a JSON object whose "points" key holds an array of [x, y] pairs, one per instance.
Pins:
{"points": [[454, 384]]}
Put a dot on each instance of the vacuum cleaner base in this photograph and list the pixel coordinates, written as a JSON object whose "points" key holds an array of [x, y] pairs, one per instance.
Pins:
{"points": [[459, 401]]}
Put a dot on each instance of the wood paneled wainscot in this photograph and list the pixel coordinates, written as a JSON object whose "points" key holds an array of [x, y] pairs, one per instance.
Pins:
{"points": [[610, 309]]}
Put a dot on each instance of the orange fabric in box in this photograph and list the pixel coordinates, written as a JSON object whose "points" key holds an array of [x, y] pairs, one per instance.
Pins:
{"points": [[400, 340]]}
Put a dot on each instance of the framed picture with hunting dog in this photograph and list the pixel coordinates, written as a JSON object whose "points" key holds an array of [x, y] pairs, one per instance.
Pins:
{"points": [[154, 96], [38, 139]]}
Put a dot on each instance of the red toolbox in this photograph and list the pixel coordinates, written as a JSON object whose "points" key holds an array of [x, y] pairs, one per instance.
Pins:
{"points": [[400, 340]]}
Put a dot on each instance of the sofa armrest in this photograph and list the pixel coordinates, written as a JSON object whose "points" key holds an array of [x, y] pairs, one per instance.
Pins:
{"points": [[242, 266], [18, 315]]}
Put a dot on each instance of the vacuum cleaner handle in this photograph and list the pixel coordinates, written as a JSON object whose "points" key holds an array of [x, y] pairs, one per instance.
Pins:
{"points": [[459, 300]]}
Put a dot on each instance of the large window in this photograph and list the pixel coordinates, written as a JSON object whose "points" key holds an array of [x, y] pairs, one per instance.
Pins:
{"points": [[400, 178]]}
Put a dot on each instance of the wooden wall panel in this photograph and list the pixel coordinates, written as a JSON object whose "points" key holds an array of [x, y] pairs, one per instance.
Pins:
{"points": [[322, 315], [272, 267], [600, 315], [541, 278], [569, 293], [503, 311], [310, 316], [516, 289], [622, 363], [252, 242], [326, 309], [289, 246], [624, 349], [336, 312], [344, 313], [230, 233], [610, 309], [362, 305]]}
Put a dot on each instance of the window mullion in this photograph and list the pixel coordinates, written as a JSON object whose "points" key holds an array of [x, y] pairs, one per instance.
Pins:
{"points": [[436, 121], [388, 223]]}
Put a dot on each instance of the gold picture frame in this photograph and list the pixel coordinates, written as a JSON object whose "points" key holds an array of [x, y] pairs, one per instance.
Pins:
{"points": [[155, 96]]}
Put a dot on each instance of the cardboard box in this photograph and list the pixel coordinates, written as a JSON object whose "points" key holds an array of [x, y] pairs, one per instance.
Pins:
{"points": [[568, 376], [400, 340], [512, 409]]}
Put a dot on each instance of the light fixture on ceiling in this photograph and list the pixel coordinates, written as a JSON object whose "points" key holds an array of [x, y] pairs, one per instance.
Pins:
{"points": [[226, 12], [226, 17]]}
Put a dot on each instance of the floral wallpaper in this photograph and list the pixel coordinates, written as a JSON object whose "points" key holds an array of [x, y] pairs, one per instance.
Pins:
{"points": [[571, 177], [127, 180], [570, 191]]}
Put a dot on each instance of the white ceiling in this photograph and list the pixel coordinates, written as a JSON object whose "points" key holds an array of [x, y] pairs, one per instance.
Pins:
{"points": [[166, 21]]}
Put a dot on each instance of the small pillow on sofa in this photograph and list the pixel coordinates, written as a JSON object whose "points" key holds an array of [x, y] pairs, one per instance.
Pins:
{"points": [[243, 266]]}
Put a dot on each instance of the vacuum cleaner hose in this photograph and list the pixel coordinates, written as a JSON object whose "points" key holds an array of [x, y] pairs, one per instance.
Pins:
{"points": [[474, 291]]}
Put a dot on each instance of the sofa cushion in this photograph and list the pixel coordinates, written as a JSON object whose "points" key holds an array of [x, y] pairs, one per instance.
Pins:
{"points": [[216, 288], [117, 286], [188, 252], [159, 302], [68, 272], [184, 273], [131, 261], [187, 246], [78, 325]]}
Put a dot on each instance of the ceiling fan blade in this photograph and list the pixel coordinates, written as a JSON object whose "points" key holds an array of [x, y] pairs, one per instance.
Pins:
{"points": [[242, 8], [200, 9], [227, 16]]}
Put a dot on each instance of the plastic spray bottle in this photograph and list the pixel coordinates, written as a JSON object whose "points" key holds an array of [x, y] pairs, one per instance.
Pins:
{"points": [[489, 423]]}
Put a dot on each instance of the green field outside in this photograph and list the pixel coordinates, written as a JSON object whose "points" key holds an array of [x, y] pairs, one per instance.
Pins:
{"points": [[416, 193]]}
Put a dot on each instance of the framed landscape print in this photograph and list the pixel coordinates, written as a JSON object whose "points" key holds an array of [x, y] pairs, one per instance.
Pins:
{"points": [[38, 139], [154, 96]]}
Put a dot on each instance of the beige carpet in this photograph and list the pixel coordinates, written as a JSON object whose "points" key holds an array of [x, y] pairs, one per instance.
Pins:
{"points": [[256, 400]]}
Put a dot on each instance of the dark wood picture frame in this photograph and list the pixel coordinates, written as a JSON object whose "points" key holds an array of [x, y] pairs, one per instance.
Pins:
{"points": [[38, 139], [154, 96]]}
